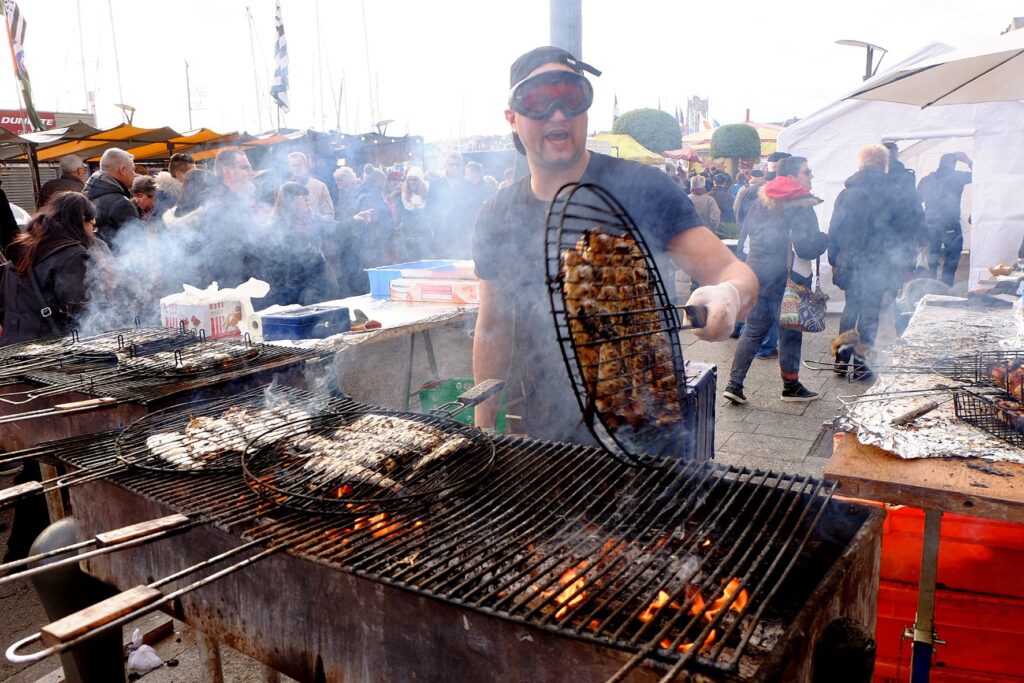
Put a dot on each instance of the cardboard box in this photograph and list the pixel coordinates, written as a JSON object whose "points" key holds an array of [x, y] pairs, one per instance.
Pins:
{"points": [[435, 291], [218, 319]]}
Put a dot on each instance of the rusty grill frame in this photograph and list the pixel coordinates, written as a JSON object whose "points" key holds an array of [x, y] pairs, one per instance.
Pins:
{"points": [[474, 548], [578, 209]]}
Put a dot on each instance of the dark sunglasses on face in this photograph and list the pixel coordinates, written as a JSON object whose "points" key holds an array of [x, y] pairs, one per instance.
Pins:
{"points": [[539, 96]]}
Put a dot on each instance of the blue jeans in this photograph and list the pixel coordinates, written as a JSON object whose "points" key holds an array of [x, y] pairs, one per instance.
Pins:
{"points": [[762, 319], [771, 342]]}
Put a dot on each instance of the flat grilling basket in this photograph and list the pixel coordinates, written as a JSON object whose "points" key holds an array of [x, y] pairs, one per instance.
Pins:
{"points": [[616, 327], [371, 459]]}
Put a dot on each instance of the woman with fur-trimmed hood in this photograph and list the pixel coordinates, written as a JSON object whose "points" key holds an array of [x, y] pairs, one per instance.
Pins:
{"points": [[780, 223], [414, 228]]}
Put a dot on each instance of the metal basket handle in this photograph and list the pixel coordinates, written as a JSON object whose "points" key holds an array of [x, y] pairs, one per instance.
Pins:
{"points": [[469, 398]]}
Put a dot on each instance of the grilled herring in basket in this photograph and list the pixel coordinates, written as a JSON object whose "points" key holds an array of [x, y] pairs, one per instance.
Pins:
{"points": [[205, 439], [371, 447], [624, 354]]}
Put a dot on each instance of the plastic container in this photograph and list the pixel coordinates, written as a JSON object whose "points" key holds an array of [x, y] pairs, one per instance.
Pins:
{"points": [[975, 554], [308, 322], [983, 633], [381, 277], [435, 394]]}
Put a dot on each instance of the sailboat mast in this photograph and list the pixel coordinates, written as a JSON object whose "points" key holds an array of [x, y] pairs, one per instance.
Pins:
{"points": [[255, 73], [81, 52], [117, 61]]}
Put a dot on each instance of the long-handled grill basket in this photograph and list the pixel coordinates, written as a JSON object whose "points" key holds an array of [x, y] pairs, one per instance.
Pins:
{"points": [[616, 326], [371, 459]]}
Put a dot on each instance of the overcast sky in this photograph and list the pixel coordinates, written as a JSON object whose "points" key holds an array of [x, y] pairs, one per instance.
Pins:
{"points": [[440, 69]]}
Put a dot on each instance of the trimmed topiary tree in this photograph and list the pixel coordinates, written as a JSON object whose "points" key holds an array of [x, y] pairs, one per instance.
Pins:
{"points": [[735, 141], [654, 129]]}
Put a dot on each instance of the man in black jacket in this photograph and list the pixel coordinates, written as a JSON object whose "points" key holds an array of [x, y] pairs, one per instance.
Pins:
{"points": [[73, 173], [109, 189], [867, 251]]}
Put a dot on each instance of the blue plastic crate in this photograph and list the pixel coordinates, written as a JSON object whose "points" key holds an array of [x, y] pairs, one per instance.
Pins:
{"points": [[381, 276]]}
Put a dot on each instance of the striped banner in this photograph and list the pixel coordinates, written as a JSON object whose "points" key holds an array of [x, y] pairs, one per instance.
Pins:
{"points": [[16, 28], [279, 88]]}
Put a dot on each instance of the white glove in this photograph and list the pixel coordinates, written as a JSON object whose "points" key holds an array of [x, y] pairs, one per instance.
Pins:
{"points": [[723, 304]]}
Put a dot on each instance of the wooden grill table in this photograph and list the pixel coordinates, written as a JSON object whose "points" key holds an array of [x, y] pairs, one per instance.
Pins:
{"points": [[974, 474], [398, 319]]}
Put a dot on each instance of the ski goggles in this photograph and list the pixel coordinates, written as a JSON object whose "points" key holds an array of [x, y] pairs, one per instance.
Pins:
{"points": [[539, 96]]}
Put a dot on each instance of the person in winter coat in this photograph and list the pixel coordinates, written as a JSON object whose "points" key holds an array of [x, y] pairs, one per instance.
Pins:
{"points": [[169, 183], [415, 236], [377, 239], [867, 251], [707, 208], [73, 173], [723, 197], [109, 189], [909, 219], [942, 192], [289, 255], [782, 221], [43, 283]]}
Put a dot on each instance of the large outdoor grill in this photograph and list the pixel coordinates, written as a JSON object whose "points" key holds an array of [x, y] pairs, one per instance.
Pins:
{"points": [[557, 562], [62, 387]]}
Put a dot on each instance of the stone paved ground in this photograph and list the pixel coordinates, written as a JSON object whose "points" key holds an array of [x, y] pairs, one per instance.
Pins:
{"points": [[765, 432]]}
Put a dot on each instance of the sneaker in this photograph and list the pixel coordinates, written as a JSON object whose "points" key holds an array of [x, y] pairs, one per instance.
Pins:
{"points": [[794, 392], [734, 392], [770, 355]]}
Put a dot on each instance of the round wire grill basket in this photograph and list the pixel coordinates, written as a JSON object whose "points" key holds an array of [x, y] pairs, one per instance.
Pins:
{"points": [[616, 327], [353, 462]]}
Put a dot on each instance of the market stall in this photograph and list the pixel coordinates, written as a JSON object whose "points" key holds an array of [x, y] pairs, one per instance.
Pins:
{"points": [[942, 464]]}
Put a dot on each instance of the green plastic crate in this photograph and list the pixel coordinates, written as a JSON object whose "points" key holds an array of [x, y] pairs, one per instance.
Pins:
{"points": [[435, 394]]}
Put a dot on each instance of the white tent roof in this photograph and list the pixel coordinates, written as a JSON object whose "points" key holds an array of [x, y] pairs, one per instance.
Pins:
{"points": [[990, 134]]}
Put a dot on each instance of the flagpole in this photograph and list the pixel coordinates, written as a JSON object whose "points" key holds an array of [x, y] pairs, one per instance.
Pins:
{"points": [[26, 90]]}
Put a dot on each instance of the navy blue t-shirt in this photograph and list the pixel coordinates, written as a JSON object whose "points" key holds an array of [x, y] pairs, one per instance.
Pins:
{"points": [[508, 248]]}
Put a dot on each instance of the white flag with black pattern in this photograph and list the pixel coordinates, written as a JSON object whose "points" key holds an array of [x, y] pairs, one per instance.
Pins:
{"points": [[279, 88]]}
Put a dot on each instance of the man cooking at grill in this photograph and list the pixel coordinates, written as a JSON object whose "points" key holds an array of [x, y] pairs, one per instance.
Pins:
{"points": [[515, 336]]}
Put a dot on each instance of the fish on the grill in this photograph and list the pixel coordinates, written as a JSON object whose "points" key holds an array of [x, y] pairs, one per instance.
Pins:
{"points": [[206, 438], [376, 449], [624, 353]]}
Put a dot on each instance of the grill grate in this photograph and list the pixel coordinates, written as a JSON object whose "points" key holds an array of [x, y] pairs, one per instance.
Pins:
{"points": [[616, 326], [645, 560]]}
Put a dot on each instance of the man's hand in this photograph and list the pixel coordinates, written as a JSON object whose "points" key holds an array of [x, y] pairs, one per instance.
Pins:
{"points": [[962, 156], [723, 304]]}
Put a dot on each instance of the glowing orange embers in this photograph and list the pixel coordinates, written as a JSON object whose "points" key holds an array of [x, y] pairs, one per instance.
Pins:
{"points": [[573, 593], [729, 591]]}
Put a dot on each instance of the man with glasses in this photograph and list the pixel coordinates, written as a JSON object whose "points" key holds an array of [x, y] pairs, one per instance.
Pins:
{"points": [[515, 337], [780, 222]]}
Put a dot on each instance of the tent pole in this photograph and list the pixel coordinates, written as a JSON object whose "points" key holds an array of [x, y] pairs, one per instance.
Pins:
{"points": [[33, 163]]}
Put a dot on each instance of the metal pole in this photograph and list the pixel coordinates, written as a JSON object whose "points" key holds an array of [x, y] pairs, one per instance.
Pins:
{"points": [[871, 58], [81, 52], [567, 25], [33, 164], [188, 95], [924, 624], [117, 62]]}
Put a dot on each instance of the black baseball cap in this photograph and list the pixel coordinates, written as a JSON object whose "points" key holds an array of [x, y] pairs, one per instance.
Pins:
{"points": [[537, 57]]}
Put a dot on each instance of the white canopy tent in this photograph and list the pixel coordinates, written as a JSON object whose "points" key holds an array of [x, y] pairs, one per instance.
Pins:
{"points": [[990, 133]]}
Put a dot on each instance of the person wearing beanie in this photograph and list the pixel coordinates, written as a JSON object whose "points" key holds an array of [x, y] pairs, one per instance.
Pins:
{"points": [[723, 197], [547, 111], [783, 215]]}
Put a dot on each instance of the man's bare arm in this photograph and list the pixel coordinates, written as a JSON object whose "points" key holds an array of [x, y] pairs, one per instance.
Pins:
{"points": [[706, 259], [492, 345]]}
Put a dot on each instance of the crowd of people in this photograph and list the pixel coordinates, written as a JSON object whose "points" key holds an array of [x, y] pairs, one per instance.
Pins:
{"points": [[142, 236]]}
